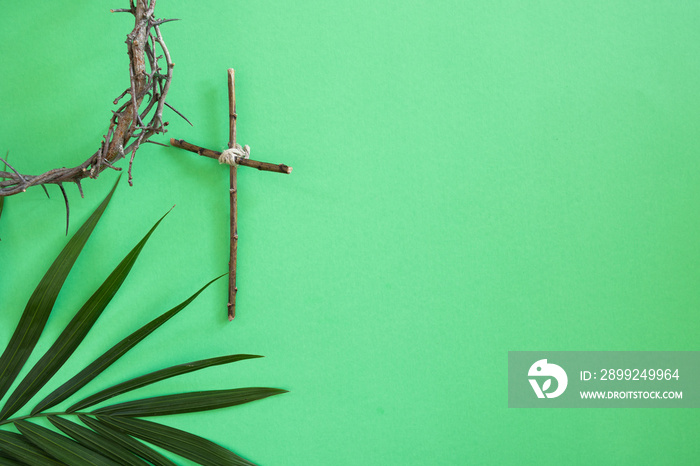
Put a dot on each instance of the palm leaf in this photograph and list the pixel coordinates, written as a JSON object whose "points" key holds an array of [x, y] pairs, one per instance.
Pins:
{"points": [[16, 446], [109, 357], [182, 443], [73, 334], [39, 306], [157, 376], [96, 442], [114, 437], [61, 447], [188, 402], [127, 442]]}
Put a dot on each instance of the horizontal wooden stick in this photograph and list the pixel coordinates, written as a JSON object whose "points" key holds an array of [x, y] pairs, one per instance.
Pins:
{"points": [[264, 166]]}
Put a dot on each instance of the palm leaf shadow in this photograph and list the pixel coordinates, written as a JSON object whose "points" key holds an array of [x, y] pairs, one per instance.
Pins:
{"points": [[112, 434]]}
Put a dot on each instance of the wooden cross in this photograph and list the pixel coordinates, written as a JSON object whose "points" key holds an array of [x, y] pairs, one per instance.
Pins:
{"points": [[233, 189]]}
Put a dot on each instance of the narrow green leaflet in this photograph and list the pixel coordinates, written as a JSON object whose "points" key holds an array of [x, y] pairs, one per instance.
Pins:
{"points": [[61, 447], [73, 334], [127, 442], [17, 447], [39, 306], [6, 461], [192, 447], [157, 376], [109, 357], [189, 402], [4, 456], [96, 442]]}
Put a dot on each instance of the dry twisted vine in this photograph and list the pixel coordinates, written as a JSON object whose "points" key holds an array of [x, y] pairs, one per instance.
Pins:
{"points": [[127, 130]]}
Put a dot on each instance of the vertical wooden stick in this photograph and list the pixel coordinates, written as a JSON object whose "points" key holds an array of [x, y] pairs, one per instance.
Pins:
{"points": [[232, 290]]}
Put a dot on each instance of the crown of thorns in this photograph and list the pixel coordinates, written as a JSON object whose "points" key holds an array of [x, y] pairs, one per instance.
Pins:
{"points": [[138, 117]]}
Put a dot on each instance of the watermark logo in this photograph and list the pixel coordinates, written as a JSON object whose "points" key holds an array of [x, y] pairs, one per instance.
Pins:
{"points": [[603, 379], [542, 369]]}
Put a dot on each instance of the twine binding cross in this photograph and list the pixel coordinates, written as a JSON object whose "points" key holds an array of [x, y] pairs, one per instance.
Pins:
{"points": [[232, 155]]}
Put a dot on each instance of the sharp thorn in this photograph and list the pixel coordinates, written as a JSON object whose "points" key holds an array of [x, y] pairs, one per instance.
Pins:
{"points": [[181, 115], [65, 197], [154, 142]]}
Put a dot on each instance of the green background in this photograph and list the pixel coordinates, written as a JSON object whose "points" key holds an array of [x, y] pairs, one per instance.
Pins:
{"points": [[469, 178]]}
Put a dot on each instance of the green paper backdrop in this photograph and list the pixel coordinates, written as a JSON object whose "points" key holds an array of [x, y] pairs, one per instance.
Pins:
{"points": [[469, 178]]}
